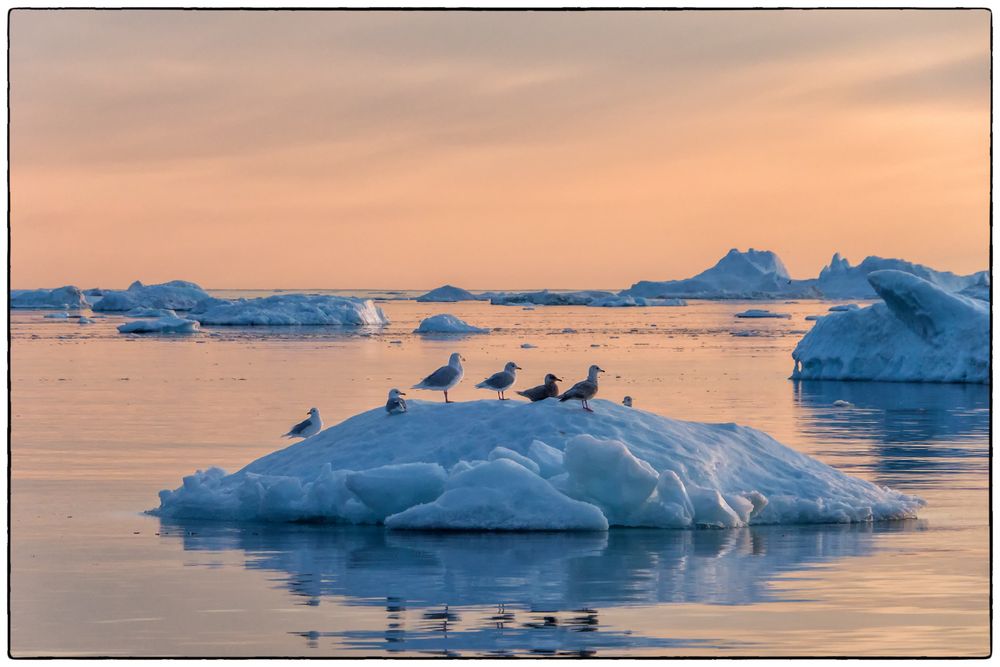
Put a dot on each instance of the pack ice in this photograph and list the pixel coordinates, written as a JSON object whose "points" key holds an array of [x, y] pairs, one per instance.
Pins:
{"points": [[921, 332], [492, 465]]}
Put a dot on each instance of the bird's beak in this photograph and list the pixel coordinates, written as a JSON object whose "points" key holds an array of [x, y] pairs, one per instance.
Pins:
{"points": [[402, 393], [518, 368], [559, 379]]}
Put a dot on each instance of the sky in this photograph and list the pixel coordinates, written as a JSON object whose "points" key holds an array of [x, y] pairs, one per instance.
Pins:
{"points": [[490, 149]]}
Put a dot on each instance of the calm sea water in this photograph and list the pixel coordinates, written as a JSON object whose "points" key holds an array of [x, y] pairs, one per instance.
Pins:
{"points": [[101, 422]]}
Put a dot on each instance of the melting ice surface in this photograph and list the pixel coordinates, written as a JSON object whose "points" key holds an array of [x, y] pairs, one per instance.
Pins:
{"points": [[535, 466]]}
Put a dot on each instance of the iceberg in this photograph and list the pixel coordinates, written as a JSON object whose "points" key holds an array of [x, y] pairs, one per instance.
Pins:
{"points": [[449, 294], [754, 274], [167, 324], [921, 332], [62, 298], [633, 302], [511, 465], [547, 298], [149, 312], [840, 280], [174, 295], [291, 310], [447, 324]]}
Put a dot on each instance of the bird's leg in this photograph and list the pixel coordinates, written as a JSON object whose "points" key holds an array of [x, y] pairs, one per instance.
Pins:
{"points": [[446, 397], [586, 407]]}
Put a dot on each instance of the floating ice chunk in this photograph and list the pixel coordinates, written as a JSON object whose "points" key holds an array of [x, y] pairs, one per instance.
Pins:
{"points": [[449, 294], [68, 297], [843, 307], [520, 459], [501, 495], [616, 301], [447, 324], [292, 310], [617, 451], [393, 488], [920, 333], [173, 295], [842, 404], [57, 316], [160, 325], [759, 312], [85, 320], [811, 318], [549, 459], [547, 298], [528, 346]]}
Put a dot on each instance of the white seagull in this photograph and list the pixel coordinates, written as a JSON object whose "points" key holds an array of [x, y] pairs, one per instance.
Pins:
{"points": [[307, 428], [445, 377], [502, 381], [585, 390], [395, 405]]}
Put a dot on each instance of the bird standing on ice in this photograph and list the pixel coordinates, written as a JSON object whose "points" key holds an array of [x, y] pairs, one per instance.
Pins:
{"points": [[307, 428], [543, 391], [585, 390], [395, 405], [627, 401], [445, 377], [502, 381]]}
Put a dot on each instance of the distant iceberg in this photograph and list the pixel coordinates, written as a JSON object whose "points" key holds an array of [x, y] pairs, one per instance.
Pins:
{"points": [[174, 295], [512, 465], [754, 313], [634, 301], [449, 294], [840, 280], [62, 298], [166, 324], [548, 298], [291, 310], [447, 324], [920, 333], [754, 274]]}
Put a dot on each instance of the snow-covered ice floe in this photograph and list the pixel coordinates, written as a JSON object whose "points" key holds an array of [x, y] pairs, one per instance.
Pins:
{"points": [[447, 324], [291, 310], [62, 298], [174, 295], [511, 465], [920, 333], [449, 294], [166, 324], [761, 313]]}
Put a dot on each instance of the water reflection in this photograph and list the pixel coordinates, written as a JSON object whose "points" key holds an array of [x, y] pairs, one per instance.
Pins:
{"points": [[907, 433], [494, 592]]}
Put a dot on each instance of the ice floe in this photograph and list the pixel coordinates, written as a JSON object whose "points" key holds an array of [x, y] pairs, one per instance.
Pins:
{"points": [[68, 297], [291, 310], [920, 332], [166, 324], [534, 466], [447, 324], [762, 313]]}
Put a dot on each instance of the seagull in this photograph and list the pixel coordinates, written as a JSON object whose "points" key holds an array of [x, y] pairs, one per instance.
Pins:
{"points": [[585, 390], [543, 391], [395, 405], [502, 381], [445, 377], [627, 401], [307, 428]]}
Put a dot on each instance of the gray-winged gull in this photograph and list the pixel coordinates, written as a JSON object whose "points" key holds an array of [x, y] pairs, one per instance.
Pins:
{"points": [[585, 390], [445, 377], [307, 428], [395, 405], [543, 391], [502, 381]]}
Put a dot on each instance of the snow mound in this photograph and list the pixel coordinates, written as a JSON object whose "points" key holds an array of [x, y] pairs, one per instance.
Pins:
{"points": [[617, 466], [292, 310], [633, 302], [920, 333], [761, 313], [446, 324], [840, 280], [449, 294], [753, 274], [174, 295], [61, 298], [167, 324]]}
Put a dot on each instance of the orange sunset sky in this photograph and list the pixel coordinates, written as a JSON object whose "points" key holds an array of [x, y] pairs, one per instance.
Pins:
{"points": [[490, 150]]}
